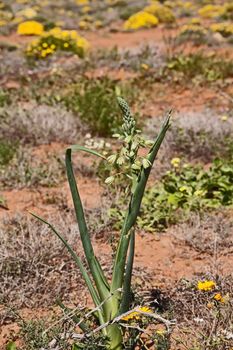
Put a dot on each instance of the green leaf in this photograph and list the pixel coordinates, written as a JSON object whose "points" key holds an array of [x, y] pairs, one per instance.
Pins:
{"points": [[77, 260], [95, 268], [127, 293], [11, 346], [87, 150]]}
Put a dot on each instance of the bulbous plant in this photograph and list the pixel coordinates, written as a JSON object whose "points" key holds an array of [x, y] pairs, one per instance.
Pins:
{"points": [[113, 298]]}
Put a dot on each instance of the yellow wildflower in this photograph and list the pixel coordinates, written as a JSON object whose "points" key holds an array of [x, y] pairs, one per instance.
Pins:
{"points": [[206, 285], [98, 24], [30, 28], [83, 25], [161, 332], [141, 19], [163, 13], [28, 13], [219, 297], [82, 2], [184, 189], [145, 66], [226, 29], [86, 9], [175, 162], [137, 315], [211, 11], [224, 118], [3, 23], [66, 45], [83, 43]]}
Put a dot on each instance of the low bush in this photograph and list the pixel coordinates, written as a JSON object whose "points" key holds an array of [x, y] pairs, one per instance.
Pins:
{"points": [[182, 190], [207, 68], [94, 100]]}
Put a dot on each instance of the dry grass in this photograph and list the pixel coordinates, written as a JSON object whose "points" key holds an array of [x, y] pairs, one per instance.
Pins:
{"points": [[34, 266], [202, 322], [208, 232], [38, 124]]}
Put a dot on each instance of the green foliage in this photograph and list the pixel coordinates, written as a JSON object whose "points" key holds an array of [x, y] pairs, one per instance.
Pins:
{"points": [[7, 151], [4, 98], [181, 190], [11, 346], [35, 337], [196, 65], [95, 102], [3, 202]]}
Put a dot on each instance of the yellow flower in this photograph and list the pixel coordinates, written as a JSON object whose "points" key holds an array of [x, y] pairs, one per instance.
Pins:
{"points": [[83, 25], [43, 53], [30, 28], [226, 29], [86, 9], [199, 193], [161, 332], [28, 13], [219, 297], [211, 11], [137, 315], [82, 2], [175, 162], [145, 66], [83, 43], [98, 24], [141, 19], [224, 118], [45, 45], [184, 189], [206, 285], [163, 13], [3, 23], [66, 45]]}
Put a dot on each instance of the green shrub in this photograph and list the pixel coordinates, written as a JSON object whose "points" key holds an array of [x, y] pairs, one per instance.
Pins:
{"points": [[182, 190], [4, 98], [7, 151], [95, 102], [194, 65]]}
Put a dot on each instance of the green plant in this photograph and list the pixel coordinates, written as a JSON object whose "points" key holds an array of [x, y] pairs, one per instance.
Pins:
{"points": [[181, 190], [196, 65], [11, 346], [189, 188], [35, 336], [95, 102], [55, 40], [113, 299], [7, 151], [4, 98]]}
